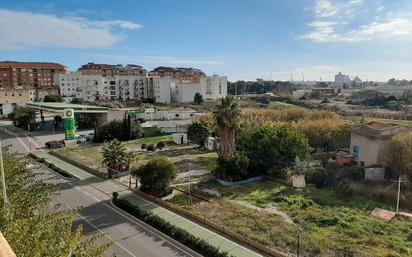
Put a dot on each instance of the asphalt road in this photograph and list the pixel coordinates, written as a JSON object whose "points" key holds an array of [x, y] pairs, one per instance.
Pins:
{"points": [[131, 237]]}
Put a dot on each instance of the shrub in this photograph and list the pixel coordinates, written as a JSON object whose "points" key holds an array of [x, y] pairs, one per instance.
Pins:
{"points": [[155, 176], [151, 148], [22, 116], [198, 131], [272, 147], [143, 146], [181, 235], [232, 169], [160, 145]]}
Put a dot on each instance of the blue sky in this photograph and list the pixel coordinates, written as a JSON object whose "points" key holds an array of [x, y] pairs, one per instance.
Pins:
{"points": [[243, 39]]}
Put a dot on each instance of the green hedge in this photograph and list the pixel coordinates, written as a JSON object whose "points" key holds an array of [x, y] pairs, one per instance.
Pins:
{"points": [[181, 235], [51, 166]]}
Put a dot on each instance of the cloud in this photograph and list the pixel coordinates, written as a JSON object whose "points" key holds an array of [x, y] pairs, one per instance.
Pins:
{"points": [[22, 30], [399, 28], [324, 8], [159, 60]]}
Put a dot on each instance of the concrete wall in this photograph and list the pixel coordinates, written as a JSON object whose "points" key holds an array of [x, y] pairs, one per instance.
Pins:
{"points": [[185, 92], [371, 151]]}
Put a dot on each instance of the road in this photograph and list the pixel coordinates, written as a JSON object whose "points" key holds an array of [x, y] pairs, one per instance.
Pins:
{"points": [[131, 237]]}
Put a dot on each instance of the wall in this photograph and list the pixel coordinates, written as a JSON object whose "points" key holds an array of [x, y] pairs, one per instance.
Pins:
{"points": [[9, 98], [185, 92], [371, 151]]}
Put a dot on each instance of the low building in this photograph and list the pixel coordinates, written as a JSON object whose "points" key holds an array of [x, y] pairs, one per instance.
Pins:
{"points": [[11, 98], [369, 142], [327, 91]]}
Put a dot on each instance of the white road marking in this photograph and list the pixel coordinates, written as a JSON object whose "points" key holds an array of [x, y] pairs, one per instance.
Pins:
{"points": [[125, 216], [101, 231]]}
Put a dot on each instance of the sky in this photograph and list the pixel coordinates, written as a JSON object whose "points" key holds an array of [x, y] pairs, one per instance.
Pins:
{"points": [[242, 39]]}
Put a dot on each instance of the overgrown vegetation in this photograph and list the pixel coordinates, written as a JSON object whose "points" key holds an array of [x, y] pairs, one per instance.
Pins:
{"points": [[155, 176], [199, 131], [22, 116], [116, 157], [32, 226]]}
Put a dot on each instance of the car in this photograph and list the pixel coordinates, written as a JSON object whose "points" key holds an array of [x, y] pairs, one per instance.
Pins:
{"points": [[54, 144], [84, 138]]}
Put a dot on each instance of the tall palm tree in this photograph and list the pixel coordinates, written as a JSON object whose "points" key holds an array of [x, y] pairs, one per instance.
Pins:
{"points": [[226, 115]]}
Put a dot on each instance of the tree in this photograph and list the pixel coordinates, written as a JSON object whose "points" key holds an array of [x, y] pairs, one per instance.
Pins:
{"points": [[76, 101], [198, 99], [271, 148], [226, 116], [155, 176], [32, 226], [116, 158], [22, 116], [199, 131], [399, 154], [53, 98]]}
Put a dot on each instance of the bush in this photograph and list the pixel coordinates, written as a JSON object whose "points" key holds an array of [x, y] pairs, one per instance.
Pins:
{"points": [[143, 146], [22, 116], [155, 176], [233, 169], [53, 98], [181, 235], [272, 147], [151, 148], [160, 145], [198, 131]]}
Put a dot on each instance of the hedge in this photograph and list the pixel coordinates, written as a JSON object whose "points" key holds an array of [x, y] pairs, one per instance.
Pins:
{"points": [[180, 235], [51, 166]]}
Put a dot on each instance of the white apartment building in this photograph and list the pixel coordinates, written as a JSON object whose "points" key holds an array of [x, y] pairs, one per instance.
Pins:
{"points": [[184, 92], [161, 89], [167, 89], [213, 87], [99, 87]]}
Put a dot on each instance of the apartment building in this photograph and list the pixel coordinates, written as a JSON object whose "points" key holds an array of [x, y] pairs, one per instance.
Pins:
{"points": [[94, 82], [179, 85], [214, 87], [29, 75]]}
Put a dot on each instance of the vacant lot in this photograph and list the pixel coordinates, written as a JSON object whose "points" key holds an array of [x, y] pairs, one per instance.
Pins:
{"points": [[180, 155], [329, 223]]}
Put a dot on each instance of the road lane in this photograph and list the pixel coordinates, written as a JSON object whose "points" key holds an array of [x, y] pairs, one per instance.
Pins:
{"points": [[97, 215]]}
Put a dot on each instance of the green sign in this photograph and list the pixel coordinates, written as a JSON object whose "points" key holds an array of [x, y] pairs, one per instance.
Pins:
{"points": [[137, 111], [69, 124]]}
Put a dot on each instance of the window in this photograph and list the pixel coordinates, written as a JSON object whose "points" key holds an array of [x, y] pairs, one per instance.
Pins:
{"points": [[19, 94], [112, 82]]}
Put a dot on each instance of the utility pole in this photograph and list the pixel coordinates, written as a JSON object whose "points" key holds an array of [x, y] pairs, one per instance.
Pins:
{"points": [[399, 193], [3, 179], [190, 185]]}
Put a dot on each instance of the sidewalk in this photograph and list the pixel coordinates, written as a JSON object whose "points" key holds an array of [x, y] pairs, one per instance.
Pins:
{"points": [[177, 220]]}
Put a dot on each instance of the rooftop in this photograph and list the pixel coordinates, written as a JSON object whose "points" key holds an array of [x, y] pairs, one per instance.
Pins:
{"points": [[59, 107], [28, 65]]}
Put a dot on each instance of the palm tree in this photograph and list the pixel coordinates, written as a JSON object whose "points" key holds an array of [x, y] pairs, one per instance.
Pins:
{"points": [[116, 158], [226, 115]]}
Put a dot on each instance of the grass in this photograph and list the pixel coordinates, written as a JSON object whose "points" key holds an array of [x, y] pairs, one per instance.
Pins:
{"points": [[180, 155], [147, 140], [332, 224], [279, 105]]}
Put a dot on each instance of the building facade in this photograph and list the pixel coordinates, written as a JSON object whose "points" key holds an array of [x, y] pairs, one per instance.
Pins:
{"points": [[95, 82], [369, 142], [11, 98], [29, 75]]}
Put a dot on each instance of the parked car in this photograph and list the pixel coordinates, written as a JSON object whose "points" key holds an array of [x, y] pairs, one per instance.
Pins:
{"points": [[84, 138], [55, 144]]}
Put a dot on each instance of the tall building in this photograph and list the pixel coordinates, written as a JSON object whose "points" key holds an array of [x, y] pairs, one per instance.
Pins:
{"points": [[342, 79], [29, 75], [179, 85], [93, 82]]}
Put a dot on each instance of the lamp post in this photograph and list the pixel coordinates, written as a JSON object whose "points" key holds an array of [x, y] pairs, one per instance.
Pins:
{"points": [[3, 179]]}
